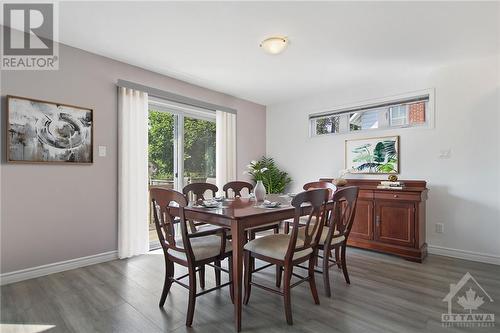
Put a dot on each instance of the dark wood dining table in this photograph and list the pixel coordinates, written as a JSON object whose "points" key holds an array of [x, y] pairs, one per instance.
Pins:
{"points": [[240, 214]]}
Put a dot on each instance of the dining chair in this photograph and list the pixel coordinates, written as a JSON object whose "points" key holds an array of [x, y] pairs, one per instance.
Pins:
{"points": [[236, 187], [313, 185], [287, 250], [192, 250], [197, 192], [335, 233], [320, 184]]}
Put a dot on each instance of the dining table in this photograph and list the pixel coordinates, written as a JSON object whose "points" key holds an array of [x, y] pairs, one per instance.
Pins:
{"points": [[240, 214]]}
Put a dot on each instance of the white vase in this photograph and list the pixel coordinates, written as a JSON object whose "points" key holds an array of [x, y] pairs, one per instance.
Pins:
{"points": [[259, 191]]}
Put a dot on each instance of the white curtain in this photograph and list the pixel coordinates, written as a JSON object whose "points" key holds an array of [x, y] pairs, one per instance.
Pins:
{"points": [[133, 238], [225, 151]]}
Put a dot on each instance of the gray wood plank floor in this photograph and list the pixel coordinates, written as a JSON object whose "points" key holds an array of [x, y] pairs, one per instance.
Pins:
{"points": [[387, 294]]}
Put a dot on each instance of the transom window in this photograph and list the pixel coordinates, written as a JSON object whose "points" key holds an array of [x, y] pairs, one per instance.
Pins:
{"points": [[408, 111]]}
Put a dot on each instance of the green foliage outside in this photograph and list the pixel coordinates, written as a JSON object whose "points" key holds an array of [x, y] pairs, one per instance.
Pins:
{"points": [[328, 125], [199, 146], [161, 145], [274, 179]]}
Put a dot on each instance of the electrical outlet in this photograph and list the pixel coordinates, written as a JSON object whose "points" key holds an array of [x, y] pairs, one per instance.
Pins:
{"points": [[439, 228]]}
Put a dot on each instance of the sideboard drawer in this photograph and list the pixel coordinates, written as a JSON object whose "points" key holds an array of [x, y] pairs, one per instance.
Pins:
{"points": [[397, 196], [365, 194]]}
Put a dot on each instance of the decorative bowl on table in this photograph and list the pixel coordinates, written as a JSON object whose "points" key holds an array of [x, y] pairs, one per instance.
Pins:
{"points": [[339, 182], [269, 204], [211, 204]]}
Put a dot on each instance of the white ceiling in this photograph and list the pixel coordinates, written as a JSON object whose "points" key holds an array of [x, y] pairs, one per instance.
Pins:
{"points": [[215, 45]]}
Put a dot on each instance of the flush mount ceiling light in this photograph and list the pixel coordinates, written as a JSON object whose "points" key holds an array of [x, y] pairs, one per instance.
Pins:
{"points": [[274, 45]]}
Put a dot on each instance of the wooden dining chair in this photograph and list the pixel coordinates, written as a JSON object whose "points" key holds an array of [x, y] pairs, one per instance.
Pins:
{"points": [[320, 184], [335, 233], [313, 185], [198, 192], [192, 250], [236, 187], [288, 250]]}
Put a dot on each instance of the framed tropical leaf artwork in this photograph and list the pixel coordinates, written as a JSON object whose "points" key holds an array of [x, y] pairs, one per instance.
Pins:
{"points": [[373, 155]]}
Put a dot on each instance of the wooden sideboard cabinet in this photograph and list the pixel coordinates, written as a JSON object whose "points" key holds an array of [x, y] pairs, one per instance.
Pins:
{"points": [[390, 221]]}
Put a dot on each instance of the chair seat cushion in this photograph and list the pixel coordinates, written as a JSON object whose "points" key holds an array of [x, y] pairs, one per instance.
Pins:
{"points": [[275, 246], [324, 233], [203, 247]]}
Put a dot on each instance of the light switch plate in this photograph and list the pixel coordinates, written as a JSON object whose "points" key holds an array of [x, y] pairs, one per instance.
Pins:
{"points": [[102, 151], [445, 153], [439, 228]]}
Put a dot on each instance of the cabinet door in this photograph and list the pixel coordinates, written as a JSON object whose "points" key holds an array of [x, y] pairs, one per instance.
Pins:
{"points": [[362, 226], [395, 222]]}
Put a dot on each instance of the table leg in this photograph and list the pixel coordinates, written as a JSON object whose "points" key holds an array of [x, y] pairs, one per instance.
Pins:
{"points": [[238, 241]]}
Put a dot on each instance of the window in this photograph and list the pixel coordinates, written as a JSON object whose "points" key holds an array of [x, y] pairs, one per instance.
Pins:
{"points": [[181, 144], [327, 125], [199, 150], [398, 115], [408, 111], [181, 148], [363, 120]]}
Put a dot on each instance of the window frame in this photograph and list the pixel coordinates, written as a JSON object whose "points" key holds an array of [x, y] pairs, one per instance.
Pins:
{"points": [[346, 110]]}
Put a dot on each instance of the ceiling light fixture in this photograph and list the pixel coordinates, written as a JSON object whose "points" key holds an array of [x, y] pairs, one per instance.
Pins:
{"points": [[274, 45]]}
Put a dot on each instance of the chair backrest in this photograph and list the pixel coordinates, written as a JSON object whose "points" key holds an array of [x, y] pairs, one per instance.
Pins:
{"points": [[328, 185], [343, 212], [199, 190], [317, 199], [236, 187], [162, 199]]}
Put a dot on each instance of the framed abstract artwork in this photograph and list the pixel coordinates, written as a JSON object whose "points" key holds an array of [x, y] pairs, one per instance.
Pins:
{"points": [[373, 155], [47, 132]]}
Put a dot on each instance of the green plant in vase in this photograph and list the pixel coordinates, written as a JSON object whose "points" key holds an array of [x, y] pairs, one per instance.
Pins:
{"points": [[274, 179]]}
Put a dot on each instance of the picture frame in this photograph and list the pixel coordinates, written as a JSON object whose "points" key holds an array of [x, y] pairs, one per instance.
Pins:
{"points": [[45, 132], [374, 155]]}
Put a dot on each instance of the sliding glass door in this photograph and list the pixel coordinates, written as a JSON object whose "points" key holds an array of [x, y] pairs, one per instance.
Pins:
{"points": [[161, 148], [199, 150], [181, 149]]}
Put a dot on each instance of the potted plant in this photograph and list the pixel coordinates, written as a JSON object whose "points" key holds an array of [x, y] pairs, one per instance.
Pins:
{"points": [[266, 171]]}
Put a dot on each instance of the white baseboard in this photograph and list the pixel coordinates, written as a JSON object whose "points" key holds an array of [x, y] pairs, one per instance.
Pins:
{"points": [[30, 273], [462, 254]]}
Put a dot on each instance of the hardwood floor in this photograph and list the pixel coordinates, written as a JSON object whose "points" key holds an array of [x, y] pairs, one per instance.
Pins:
{"points": [[387, 294]]}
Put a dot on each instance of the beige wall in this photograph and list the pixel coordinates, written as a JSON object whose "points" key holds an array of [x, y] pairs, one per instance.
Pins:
{"points": [[51, 213]]}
